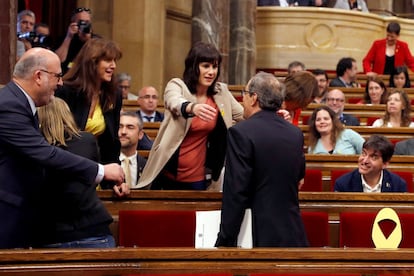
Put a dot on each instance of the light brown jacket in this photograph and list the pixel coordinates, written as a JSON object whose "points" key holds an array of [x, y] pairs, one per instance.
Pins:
{"points": [[175, 127]]}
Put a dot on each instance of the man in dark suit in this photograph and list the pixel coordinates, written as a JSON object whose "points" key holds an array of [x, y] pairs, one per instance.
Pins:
{"points": [[335, 99], [371, 175], [148, 103], [24, 153], [264, 164], [130, 132], [346, 71]]}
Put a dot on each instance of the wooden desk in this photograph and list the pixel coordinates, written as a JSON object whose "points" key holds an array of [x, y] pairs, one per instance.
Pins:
{"points": [[122, 261]]}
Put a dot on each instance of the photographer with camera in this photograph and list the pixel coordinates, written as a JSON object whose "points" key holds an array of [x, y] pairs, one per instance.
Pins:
{"points": [[25, 24], [79, 31]]}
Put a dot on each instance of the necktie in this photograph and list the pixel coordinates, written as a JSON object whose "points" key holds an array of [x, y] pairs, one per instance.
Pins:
{"points": [[149, 118], [127, 171], [36, 119]]}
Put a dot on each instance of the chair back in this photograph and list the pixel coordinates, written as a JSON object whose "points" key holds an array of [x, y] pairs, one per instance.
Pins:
{"points": [[157, 228]]}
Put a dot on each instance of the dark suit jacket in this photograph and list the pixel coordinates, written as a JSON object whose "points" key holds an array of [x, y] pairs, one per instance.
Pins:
{"points": [[159, 117], [264, 164], [349, 120], [24, 154], [405, 147], [108, 142], [351, 182], [374, 61], [141, 162], [72, 210]]}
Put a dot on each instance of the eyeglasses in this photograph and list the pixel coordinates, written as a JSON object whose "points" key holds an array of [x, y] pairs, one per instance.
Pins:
{"points": [[124, 87], [335, 100], [78, 10], [147, 97], [57, 75]]}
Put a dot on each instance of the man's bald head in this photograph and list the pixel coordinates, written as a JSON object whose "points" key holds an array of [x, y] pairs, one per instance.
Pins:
{"points": [[39, 74], [32, 60]]}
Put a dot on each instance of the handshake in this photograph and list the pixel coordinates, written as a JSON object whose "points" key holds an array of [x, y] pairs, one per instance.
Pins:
{"points": [[114, 172]]}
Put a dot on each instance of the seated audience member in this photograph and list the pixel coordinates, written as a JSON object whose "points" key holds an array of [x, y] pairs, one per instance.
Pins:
{"points": [[397, 113], [346, 71], [323, 83], [354, 5], [130, 132], [328, 135], [335, 99], [123, 81], [387, 53], [375, 92], [399, 78], [25, 24], [72, 214], [372, 175], [79, 32], [148, 102], [301, 89], [405, 147], [295, 66]]}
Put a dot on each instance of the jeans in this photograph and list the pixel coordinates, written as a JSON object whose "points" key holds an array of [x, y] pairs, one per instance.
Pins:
{"points": [[107, 241]]}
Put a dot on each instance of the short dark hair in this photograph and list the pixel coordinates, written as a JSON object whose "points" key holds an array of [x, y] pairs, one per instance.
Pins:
{"points": [[133, 115], [344, 64], [200, 52], [394, 27], [398, 70], [381, 144], [295, 64], [318, 72]]}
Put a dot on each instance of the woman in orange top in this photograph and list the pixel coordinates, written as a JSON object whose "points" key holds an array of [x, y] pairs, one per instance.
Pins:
{"points": [[192, 138]]}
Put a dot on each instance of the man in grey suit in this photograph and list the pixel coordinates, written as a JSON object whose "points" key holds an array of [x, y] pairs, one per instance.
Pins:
{"points": [[24, 153], [264, 164], [405, 147]]}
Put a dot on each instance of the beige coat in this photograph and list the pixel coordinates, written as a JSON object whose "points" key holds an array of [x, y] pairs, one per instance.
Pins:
{"points": [[175, 127]]}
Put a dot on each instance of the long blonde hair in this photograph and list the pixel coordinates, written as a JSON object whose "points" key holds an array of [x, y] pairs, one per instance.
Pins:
{"points": [[57, 123]]}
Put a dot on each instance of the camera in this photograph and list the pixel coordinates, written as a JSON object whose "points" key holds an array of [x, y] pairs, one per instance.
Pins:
{"points": [[84, 26], [37, 40]]}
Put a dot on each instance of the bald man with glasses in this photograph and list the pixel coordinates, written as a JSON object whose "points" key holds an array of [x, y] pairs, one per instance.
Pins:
{"points": [[335, 99]]}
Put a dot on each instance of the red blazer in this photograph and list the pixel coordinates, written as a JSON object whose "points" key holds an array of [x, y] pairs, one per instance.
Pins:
{"points": [[374, 61]]}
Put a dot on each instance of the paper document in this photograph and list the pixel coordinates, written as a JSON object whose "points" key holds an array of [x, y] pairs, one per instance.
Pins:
{"points": [[208, 226]]}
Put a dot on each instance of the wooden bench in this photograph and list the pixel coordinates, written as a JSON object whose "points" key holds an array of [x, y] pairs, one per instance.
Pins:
{"points": [[330, 202], [243, 262]]}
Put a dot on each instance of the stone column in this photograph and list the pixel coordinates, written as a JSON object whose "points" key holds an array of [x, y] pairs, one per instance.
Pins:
{"points": [[7, 40], [210, 23], [242, 64]]}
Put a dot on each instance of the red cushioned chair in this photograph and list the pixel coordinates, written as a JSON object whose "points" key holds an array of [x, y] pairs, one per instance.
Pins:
{"points": [[355, 229], [305, 119], [303, 274], [150, 228], [313, 181], [408, 177], [192, 274], [371, 120], [317, 228], [335, 174], [354, 100]]}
